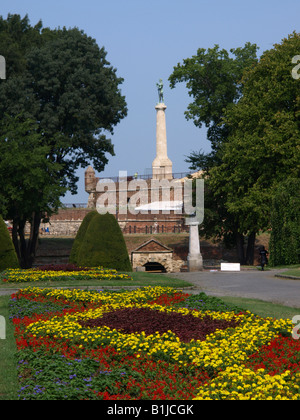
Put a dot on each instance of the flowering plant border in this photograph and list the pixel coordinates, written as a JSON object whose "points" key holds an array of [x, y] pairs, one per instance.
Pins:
{"points": [[51, 274], [223, 365]]}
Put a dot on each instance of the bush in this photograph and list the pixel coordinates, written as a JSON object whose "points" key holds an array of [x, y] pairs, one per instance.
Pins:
{"points": [[80, 235], [8, 256], [285, 223], [104, 245]]}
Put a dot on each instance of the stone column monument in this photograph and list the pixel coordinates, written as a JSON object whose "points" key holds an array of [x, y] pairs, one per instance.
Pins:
{"points": [[195, 260], [162, 165]]}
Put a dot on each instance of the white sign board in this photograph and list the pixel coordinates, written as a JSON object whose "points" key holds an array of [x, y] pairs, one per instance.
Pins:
{"points": [[230, 267]]}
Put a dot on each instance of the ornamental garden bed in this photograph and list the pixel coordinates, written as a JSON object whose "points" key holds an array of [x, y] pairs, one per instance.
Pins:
{"points": [[63, 272], [69, 275], [154, 343]]}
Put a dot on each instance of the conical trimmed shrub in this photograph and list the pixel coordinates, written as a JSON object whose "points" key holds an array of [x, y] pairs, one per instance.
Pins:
{"points": [[79, 237], [104, 245], [8, 256]]}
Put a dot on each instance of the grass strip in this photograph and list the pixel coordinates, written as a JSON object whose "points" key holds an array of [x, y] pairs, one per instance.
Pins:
{"points": [[8, 372], [139, 279]]}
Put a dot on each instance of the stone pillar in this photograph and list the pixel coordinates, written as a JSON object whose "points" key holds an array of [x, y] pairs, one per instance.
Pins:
{"points": [[195, 260], [162, 165], [90, 186]]}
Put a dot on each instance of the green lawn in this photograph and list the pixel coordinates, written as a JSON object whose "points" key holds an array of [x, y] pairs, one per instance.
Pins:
{"points": [[139, 279], [294, 272], [8, 372], [263, 308]]}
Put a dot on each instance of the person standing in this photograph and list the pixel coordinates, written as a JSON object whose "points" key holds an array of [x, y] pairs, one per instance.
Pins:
{"points": [[263, 257]]}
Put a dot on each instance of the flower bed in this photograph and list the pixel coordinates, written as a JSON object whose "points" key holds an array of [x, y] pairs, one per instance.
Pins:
{"points": [[59, 273], [152, 343]]}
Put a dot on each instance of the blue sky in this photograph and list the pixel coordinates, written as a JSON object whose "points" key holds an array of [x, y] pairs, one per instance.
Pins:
{"points": [[144, 40]]}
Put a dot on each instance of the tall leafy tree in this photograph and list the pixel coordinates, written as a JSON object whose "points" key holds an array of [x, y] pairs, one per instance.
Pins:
{"points": [[30, 187], [61, 80], [213, 79], [285, 222], [17, 38], [263, 148]]}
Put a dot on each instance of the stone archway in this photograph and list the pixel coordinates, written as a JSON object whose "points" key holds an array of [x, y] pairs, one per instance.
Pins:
{"points": [[154, 267], [152, 253]]}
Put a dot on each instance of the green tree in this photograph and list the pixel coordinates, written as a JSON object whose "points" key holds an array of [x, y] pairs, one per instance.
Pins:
{"points": [[213, 79], [263, 148], [285, 221], [62, 81], [8, 256], [104, 245], [17, 38], [29, 185]]}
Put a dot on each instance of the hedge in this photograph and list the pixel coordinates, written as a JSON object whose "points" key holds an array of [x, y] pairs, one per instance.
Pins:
{"points": [[104, 245], [8, 256]]}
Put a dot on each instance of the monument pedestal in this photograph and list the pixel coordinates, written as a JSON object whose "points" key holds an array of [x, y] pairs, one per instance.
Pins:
{"points": [[195, 260], [162, 165]]}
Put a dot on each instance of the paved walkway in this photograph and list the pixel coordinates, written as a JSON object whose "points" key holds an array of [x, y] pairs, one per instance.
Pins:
{"points": [[253, 284]]}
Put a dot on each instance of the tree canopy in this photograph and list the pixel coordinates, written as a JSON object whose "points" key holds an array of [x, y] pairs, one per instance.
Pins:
{"points": [[29, 181], [264, 141], [263, 146], [213, 79], [285, 222], [260, 142], [60, 81], [63, 81]]}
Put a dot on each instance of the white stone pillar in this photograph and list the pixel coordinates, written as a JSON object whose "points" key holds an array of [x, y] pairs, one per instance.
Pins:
{"points": [[162, 165], [195, 260]]}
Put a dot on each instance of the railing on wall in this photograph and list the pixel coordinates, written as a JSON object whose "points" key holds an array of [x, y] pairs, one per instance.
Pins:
{"points": [[176, 175], [74, 205], [154, 230]]}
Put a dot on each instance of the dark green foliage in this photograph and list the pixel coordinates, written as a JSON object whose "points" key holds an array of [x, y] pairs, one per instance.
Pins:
{"points": [[17, 37], [203, 302], [213, 78], [61, 80], [104, 245], [80, 235], [285, 221], [8, 256]]}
